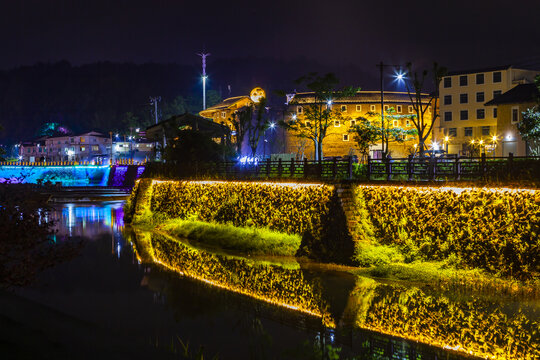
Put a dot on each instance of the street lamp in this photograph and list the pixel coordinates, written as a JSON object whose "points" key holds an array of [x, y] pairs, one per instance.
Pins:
{"points": [[271, 126], [400, 76], [446, 140], [493, 143]]}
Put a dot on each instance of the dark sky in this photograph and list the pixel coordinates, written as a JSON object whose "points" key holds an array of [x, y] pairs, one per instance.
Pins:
{"points": [[458, 34]]}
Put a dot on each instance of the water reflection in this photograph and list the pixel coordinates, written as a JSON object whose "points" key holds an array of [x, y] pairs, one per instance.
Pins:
{"points": [[126, 293], [473, 324], [88, 220]]}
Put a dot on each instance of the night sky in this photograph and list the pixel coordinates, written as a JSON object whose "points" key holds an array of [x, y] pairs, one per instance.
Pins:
{"points": [[458, 34]]}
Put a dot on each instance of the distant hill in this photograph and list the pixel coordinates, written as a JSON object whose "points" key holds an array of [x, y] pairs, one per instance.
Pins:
{"points": [[98, 96]]}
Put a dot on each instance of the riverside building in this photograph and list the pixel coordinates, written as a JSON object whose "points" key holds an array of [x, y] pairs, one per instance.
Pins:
{"points": [[465, 120]]}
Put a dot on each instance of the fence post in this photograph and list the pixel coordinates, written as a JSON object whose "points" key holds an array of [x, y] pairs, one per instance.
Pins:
{"points": [[350, 169], [388, 168], [334, 168], [292, 167], [457, 168], [368, 168], [433, 164], [279, 168], [483, 164], [510, 165], [305, 168], [268, 167], [409, 167]]}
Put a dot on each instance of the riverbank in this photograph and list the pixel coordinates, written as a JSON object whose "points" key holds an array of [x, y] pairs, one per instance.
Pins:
{"points": [[484, 235]]}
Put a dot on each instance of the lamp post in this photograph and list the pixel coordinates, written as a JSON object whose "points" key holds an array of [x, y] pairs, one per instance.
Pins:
{"points": [[399, 77], [446, 140], [493, 143], [272, 126]]}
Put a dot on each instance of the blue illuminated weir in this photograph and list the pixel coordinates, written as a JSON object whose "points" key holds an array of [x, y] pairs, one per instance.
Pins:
{"points": [[74, 175]]}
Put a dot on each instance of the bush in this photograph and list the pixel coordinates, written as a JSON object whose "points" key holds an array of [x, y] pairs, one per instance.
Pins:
{"points": [[497, 230]]}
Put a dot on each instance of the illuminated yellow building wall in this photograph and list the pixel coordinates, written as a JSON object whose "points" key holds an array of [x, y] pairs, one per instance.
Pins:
{"points": [[339, 142], [464, 116]]}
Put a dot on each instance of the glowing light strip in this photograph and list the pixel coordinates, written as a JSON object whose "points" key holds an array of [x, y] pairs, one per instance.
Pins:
{"points": [[218, 182], [457, 190]]}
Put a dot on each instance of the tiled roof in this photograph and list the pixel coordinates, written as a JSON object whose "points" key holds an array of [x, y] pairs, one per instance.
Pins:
{"points": [[363, 97], [520, 94], [226, 103]]}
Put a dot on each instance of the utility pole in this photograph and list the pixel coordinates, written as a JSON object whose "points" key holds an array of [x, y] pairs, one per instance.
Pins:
{"points": [[203, 56], [154, 101], [399, 76]]}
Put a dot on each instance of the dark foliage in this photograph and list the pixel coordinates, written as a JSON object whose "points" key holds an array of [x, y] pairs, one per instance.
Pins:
{"points": [[27, 241]]}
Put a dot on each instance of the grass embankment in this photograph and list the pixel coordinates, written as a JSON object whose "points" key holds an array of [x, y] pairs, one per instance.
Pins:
{"points": [[256, 241]]}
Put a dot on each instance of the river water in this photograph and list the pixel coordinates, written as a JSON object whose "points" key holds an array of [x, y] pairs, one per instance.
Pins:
{"points": [[128, 293]]}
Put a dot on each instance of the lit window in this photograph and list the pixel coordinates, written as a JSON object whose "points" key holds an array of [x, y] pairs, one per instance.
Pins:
{"points": [[353, 122], [223, 114], [345, 137], [372, 107], [386, 107], [343, 108], [395, 123], [410, 109], [464, 115], [408, 123], [480, 114], [337, 123], [358, 107], [463, 80], [515, 114], [299, 110], [308, 124], [399, 109], [82, 139], [95, 148], [448, 116], [497, 77], [83, 148], [480, 96]]}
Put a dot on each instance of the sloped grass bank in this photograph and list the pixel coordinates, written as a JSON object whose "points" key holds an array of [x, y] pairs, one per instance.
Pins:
{"points": [[256, 241]]}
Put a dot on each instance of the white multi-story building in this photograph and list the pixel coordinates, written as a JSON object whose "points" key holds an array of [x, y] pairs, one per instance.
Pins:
{"points": [[464, 119]]}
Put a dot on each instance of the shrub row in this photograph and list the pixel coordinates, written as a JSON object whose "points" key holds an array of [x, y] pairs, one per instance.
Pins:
{"points": [[288, 208], [494, 229]]}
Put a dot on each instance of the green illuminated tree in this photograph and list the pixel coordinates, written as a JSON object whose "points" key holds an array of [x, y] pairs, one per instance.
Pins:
{"points": [[369, 132], [423, 119], [319, 113], [529, 127]]}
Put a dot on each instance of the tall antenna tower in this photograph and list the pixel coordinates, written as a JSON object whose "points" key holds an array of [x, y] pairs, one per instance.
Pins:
{"points": [[203, 56]]}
